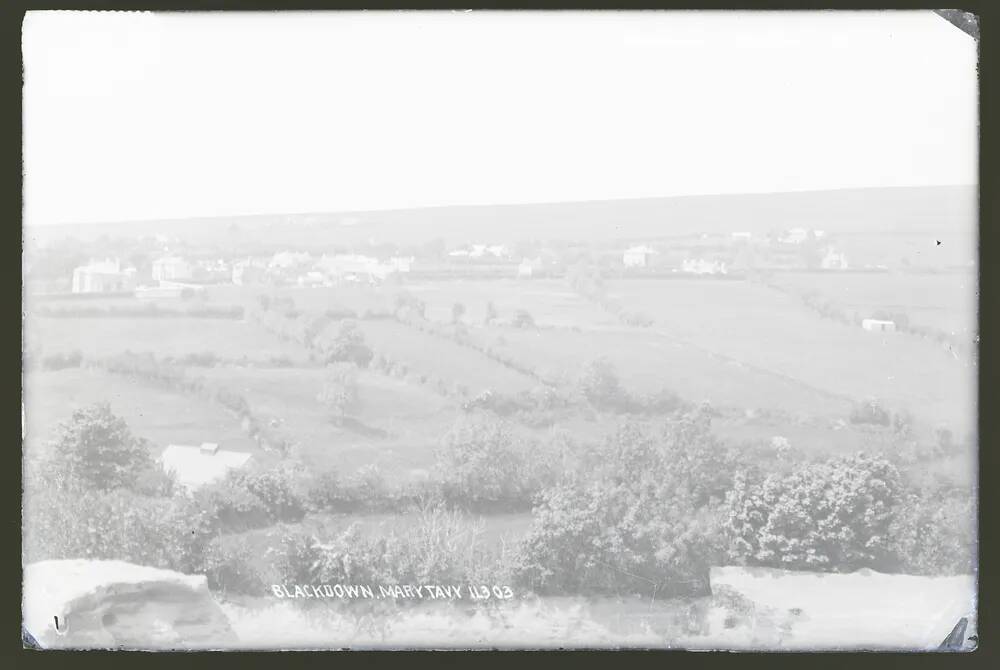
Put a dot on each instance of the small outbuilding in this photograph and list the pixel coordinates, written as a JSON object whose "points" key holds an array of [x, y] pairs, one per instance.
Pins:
{"points": [[878, 325]]}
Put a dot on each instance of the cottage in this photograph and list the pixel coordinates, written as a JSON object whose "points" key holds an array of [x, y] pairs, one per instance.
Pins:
{"points": [[701, 266], [196, 466], [637, 257], [105, 276], [528, 266], [878, 325], [248, 272], [795, 236], [171, 268], [834, 260]]}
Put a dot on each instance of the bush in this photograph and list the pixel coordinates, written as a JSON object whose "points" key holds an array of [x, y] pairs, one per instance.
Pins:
{"points": [[523, 319], [228, 566], [62, 361], [831, 516], [628, 521], [934, 533], [482, 464], [870, 411]]}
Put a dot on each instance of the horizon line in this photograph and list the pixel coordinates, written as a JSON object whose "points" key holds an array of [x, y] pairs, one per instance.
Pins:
{"points": [[349, 212]]}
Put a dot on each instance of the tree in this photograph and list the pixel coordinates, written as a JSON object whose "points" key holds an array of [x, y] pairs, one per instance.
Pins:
{"points": [[96, 448], [523, 319], [600, 385], [348, 346], [491, 313], [340, 391], [457, 311]]}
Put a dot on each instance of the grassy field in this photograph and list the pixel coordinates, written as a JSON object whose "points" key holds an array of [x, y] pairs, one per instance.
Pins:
{"points": [[159, 415], [162, 336], [399, 425], [438, 357], [943, 301], [550, 301], [766, 330]]}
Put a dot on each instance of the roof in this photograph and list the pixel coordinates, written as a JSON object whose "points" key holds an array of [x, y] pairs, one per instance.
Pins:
{"points": [[643, 249], [193, 467]]}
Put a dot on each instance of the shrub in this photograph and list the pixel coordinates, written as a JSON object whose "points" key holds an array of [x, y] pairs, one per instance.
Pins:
{"points": [[628, 521], [228, 566], [482, 464], [832, 516], [870, 411], [934, 533], [62, 361], [523, 319]]}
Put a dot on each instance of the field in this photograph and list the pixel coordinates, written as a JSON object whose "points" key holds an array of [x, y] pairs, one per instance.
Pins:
{"points": [[398, 425], [162, 416], [943, 301], [765, 330], [163, 336]]}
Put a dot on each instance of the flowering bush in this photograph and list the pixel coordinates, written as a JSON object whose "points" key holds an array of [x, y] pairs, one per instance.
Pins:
{"points": [[832, 516]]}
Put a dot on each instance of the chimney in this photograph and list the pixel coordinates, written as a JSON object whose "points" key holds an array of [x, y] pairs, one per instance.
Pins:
{"points": [[209, 448]]}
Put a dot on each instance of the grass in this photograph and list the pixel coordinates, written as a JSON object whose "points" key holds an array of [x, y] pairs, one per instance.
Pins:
{"points": [[438, 357], [162, 336], [765, 330], [550, 301], [400, 423], [161, 416]]}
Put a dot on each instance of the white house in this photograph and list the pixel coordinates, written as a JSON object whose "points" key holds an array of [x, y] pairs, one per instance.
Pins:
{"points": [[401, 263], [700, 266], [878, 325], [196, 466], [637, 257], [795, 236], [834, 260], [171, 268], [105, 276], [528, 266]]}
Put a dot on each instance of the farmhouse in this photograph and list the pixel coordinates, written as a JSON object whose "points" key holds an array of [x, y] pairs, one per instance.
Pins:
{"points": [[248, 272], [794, 236], [196, 466], [171, 268], [834, 260], [105, 276], [528, 266], [701, 266], [637, 257], [878, 325]]}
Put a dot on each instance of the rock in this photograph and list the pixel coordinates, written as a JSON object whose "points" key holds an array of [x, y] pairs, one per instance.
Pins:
{"points": [[113, 604]]}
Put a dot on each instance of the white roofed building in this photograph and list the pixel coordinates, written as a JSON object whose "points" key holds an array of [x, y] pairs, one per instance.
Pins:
{"points": [[196, 466]]}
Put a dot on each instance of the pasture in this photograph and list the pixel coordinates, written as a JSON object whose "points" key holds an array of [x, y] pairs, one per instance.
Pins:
{"points": [[160, 415], [163, 336], [769, 331]]}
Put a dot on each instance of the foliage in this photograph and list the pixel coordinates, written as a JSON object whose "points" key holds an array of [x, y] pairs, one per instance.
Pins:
{"points": [[340, 391], [523, 319], [833, 515], [870, 411], [640, 515], [347, 345], [457, 312], [96, 448], [482, 463], [934, 533]]}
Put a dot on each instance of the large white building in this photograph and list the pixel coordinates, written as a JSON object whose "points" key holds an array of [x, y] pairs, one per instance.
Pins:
{"points": [[105, 276], [171, 268], [638, 257]]}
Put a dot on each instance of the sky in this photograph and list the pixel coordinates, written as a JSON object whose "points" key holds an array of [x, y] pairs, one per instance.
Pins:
{"points": [[131, 116]]}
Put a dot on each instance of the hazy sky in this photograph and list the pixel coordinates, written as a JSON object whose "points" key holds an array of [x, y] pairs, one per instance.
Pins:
{"points": [[140, 116]]}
